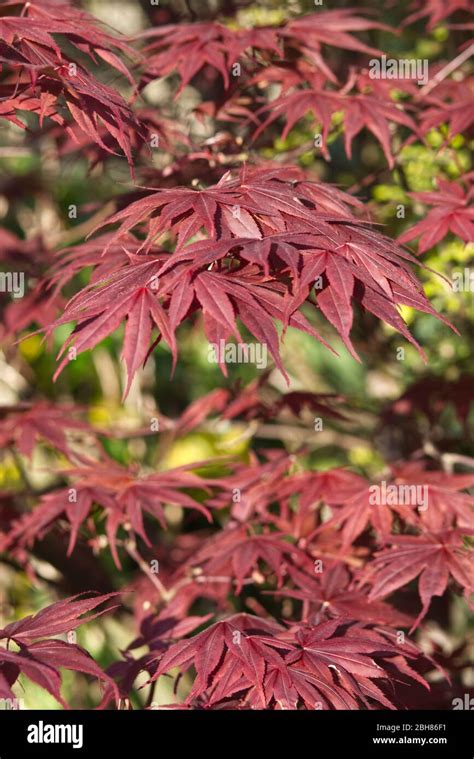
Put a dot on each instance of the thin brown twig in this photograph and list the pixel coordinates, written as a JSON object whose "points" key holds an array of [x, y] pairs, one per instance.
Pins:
{"points": [[131, 548], [21, 468], [446, 71]]}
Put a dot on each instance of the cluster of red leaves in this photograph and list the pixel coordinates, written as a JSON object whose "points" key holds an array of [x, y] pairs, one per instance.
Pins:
{"points": [[437, 10], [353, 262], [188, 48], [40, 655], [122, 495], [248, 662], [270, 240], [125, 495], [307, 83], [279, 539], [39, 77]]}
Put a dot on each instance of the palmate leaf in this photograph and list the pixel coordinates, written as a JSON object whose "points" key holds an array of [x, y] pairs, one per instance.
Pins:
{"points": [[251, 204], [238, 554], [332, 28], [71, 261], [450, 102], [122, 493], [414, 497], [360, 111], [437, 10], [39, 307], [255, 663], [334, 593], [37, 20], [430, 396], [157, 632], [92, 106], [159, 128], [188, 48], [132, 291], [41, 657], [447, 507], [273, 240], [30, 253], [355, 511], [259, 484], [433, 556], [60, 617], [453, 211], [24, 424]]}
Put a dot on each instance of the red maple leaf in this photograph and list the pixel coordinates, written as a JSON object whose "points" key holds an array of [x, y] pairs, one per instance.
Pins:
{"points": [[430, 396], [451, 103], [24, 424], [437, 10], [360, 111], [188, 48], [433, 556], [446, 507], [41, 657], [121, 493], [329, 28], [334, 593], [236, 553], [453, 212], [357, 509]]}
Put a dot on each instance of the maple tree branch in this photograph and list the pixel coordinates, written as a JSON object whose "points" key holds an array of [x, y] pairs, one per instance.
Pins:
{"points": [[21, 468], [191, 11], [206, 578], [353, 561], [304, 610], [457, 458], [447, 460], [15, 152], [151, 694], [305, 435], [168, 594], [131, 548], [446, 71]]}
